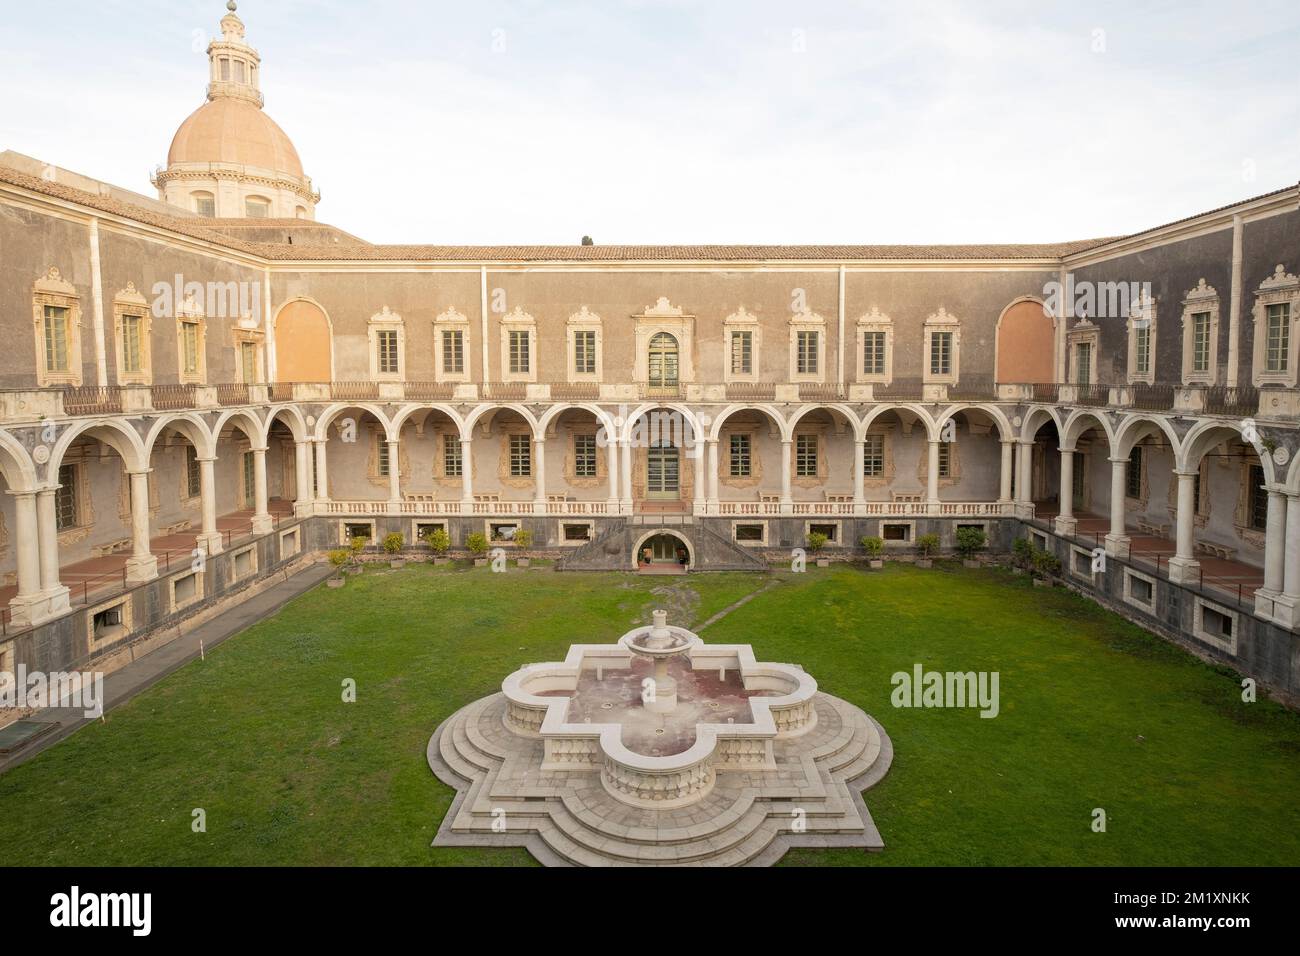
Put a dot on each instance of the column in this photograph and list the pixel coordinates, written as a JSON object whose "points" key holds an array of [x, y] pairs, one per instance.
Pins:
{"points": [[322, 488], [1024, 473], [25, 606], [209, 538], [394, 474], [611, 464], [52, 591], [466, 475], [1008, 455], [303, 478], [539, 472], [786, 454], [1065, 520], [1117, 540], [625, 473], [859, 494], [1286, 606], [932, 477], [1183, 566], [698, 464], [1274, 554], [261, 523], [713, 477], [142, 565]]}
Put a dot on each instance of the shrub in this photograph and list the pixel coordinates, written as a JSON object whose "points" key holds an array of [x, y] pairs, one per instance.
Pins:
{"points": [[928, 544], [339, 557], [438, 540], [357, 545], [1022, 553], [1045, 564], [970, 540], [874, 546], [394, 542], [523, 538], [816, 541], [477, 542]]}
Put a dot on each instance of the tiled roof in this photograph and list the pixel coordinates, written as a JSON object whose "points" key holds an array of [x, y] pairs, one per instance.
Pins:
{"points": [[360, 251]]}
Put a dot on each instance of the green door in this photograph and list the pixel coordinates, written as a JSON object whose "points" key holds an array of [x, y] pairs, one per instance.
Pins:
{"points": [[662, 472]]}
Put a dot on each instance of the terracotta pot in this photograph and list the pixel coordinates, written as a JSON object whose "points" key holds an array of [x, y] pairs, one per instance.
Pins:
{"points": [[970, 563], [521, 562], [441, 560], [397, 563], [823, 562], [925, 562], [480, 562], [334, 582], [876, 563]]}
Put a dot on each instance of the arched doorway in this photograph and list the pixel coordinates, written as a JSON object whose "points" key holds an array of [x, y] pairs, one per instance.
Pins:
{"points": [[662, 552], [303, 346], [663, 361]]}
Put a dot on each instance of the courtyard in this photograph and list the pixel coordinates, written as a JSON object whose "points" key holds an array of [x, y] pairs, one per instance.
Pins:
{"points": [[1094, 713]]}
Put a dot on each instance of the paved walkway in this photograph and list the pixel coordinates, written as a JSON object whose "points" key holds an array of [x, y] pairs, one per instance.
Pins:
{"points": [[1235, 578], [124, 683]]}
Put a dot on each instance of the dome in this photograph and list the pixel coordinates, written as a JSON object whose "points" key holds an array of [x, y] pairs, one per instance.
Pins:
{"points": [[231, 130]]}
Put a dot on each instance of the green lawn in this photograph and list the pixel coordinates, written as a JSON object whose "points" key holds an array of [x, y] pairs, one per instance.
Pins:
{"points": [[1094, 713]]}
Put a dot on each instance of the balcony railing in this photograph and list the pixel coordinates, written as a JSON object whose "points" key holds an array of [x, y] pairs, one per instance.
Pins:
{"points": [[1241, 400], [1046, 391], [168, 397], [575, 391], [901, 390], [92, 400], [232, 393], [354, 391], [1153, 398], [653, 390], [751, 391], [504, 391], [1094, 395], [972, 388], [822, 392], [430, 391]]}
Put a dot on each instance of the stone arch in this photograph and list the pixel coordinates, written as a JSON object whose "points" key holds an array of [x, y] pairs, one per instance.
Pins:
{"points": [[1204, 435], [304, 342], [245, 421], [1024, 349], [187, 424], [859, 430], [292, 417], [555, 411], [1036, 418], [670, 532], [1077, 423], [715, 431], [1134, 428], [626, 431], [931, 429], [474, 417], [120, 437], [334, 411], [15, 464], [1005, 430]]}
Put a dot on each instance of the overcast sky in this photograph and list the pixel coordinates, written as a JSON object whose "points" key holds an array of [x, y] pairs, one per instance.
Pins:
{"points": [[663, 121]]}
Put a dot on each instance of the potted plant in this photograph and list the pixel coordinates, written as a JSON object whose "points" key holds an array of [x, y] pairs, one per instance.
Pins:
{"points": [[1022, 555], [647, 555], [393, 544], [439, 542], [970, 540], [477, 543], [355, 546], [817, 541], [875, 548], [1045, 567], [523, 540], [338, 558], [928, 546]]}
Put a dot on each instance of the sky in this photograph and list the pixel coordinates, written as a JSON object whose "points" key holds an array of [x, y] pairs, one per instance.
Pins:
{"points": [[696, 121]]}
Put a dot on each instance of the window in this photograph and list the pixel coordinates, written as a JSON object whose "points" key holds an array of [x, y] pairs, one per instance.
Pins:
{"points": [[1142, 350], [257, 208], [896, 532], [576, 532], [519, 354], [584, 352], [741, 464], [193, 473], [225, 69], [742, 352], [248, 362], [56, 339], [873, 353], [873, 456], [250, 479], [381, 458], [205, 204], [751, 533], [453, 351], [806, 352], [945, 460], [132, 359], [830, 531], [662, 471], [189, 347], [239, 71], [1279, 337], [1257, 516], [940, 353], [1133, 474], [65, 499], [1077, 479], [805, 456], [584, 456], [451, 456], [521, 456], [1083, 363], [1201, 342], [386, 356], [663, 360]]}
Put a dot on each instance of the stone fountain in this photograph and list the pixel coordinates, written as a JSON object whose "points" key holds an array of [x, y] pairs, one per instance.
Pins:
{"points": [[659, 749]]}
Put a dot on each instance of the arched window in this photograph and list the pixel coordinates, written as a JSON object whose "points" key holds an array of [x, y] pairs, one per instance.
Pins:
{"points": [[205, 204], [663, 360], [257, 207], [300, 213]]}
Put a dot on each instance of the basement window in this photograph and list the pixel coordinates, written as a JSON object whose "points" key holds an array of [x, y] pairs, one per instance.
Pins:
{"points": [[109, 622]]}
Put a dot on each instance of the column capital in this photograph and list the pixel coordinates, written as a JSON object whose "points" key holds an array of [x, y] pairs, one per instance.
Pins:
{"points": [[139, 471], [23, 493]]}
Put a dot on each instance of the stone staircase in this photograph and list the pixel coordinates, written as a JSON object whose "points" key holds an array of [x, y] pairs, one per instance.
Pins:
{"points": [[612, 550], [749, 819]]}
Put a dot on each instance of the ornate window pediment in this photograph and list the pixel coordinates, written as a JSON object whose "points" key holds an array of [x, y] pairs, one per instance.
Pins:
{"points": [[451, 346], [1141, 328], [518, 346], [132, 321], [1276, 312], [807, 347], [664, 317], [584, 331], [875, 348], [191, 342], [942, 348], [742, 337], [1083, 340], [386, 334], [1200, 335], [56, 317]]}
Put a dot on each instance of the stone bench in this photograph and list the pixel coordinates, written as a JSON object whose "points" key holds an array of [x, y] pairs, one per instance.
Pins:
{"points": [[1153, 529], [1216, 550]]}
